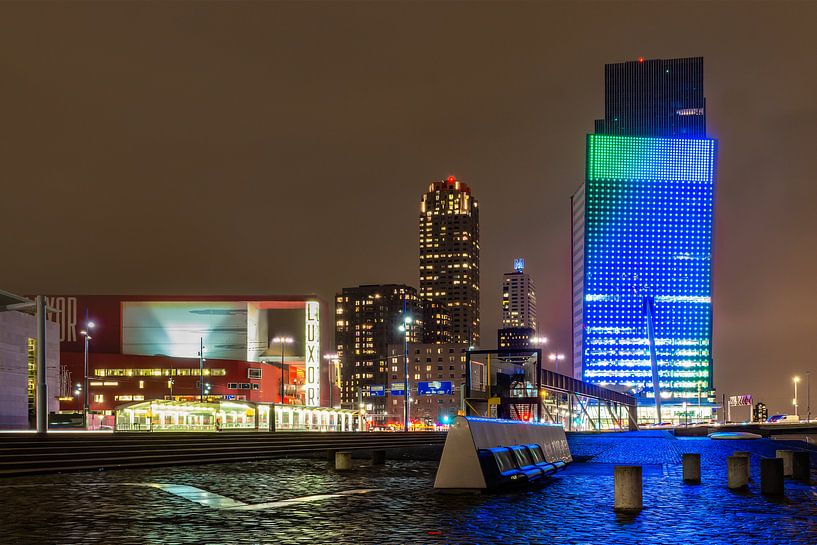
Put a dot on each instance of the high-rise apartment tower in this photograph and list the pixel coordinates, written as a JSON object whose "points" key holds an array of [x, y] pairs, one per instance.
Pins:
{"points": [[367, 321], [518, 308], [449, 255], [518, 297]]}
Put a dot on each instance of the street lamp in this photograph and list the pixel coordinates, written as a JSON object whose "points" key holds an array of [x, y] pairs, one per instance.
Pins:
{"points": [[404, 328], [556, 358], [202, 349], [361, 412], [85, 406], [283, 341], [334, 364], [795, 380]]}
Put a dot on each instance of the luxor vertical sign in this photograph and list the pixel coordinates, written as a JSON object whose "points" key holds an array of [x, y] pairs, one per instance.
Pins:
{"points": [[313, 354]]}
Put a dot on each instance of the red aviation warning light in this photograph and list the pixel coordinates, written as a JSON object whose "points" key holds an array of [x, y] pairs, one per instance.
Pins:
{"points": [[640, 59], [451, 179]]}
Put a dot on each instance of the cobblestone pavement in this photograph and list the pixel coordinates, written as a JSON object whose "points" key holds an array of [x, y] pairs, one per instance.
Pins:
{"points": [[574, 507]]}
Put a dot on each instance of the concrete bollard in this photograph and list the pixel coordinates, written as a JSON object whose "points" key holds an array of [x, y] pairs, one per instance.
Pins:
{"points": [[788, 460], [748, 463], [801, 466], [343, 461], [771, 477], [378, 457], [736, 472], [627, 487], [692, 467]]}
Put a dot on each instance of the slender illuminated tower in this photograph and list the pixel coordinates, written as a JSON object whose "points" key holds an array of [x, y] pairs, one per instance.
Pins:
{"points": [[642, 228], [518, 308], [518, 297], [449, 255]]}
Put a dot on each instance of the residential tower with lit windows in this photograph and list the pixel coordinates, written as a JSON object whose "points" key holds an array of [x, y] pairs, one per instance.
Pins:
{"points": [[449, 255], [642, 236], [518, 308], [367, 321]]}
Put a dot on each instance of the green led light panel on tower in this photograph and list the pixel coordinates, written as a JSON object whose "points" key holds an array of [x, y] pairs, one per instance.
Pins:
{"points": [[637, 158], [647, 231]]}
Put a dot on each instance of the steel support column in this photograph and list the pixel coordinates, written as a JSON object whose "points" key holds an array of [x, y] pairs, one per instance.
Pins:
{"points": [[587, 414], [42, 386]]}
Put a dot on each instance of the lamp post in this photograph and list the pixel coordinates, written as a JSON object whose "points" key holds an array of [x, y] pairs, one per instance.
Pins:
{"points": [[539, 341], [556, 358], [808, 396], [334, 361], [405, 327], [283, 341], [795, 380], [85, 405], [361, 410], [202, 348]]}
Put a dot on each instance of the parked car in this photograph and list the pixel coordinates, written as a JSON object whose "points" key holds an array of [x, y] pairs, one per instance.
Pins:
{"points": [[783, 419]]}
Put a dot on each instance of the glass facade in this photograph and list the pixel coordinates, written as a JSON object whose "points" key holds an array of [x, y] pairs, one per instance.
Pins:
{"points": [[643, 228], [654, 97]]}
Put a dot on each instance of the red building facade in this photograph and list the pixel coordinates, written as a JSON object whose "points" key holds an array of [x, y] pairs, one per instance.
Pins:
{"points": [[256, 348]]}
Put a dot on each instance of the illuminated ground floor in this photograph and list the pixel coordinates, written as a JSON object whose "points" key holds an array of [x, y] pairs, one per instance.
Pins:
{"points": [[676, 414], [167, 415]]}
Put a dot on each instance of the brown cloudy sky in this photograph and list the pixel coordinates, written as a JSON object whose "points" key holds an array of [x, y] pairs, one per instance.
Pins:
{"points": [[269, 147]]}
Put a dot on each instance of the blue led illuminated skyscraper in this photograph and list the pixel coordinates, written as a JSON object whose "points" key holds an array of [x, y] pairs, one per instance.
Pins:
{"points": [[642, 235]]}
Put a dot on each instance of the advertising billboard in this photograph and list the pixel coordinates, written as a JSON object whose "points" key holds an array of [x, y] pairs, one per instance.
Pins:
{"points": [[740, 401]]}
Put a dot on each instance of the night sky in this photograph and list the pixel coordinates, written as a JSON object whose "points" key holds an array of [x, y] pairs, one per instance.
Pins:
{"points": [[276, 148]]}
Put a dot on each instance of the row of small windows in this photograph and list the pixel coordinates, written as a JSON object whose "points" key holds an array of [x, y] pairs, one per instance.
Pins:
{"points": [[158, 372]]}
